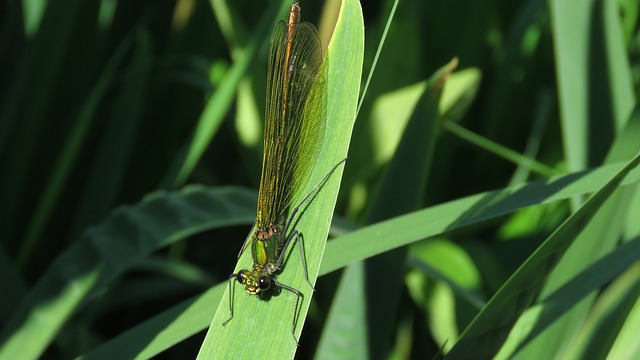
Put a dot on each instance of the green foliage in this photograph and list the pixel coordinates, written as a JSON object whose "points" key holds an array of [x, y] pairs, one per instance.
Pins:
{"points": [[488, 207]]}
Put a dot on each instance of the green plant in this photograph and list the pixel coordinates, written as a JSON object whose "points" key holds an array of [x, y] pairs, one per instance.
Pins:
{"points": [[488, 207]]}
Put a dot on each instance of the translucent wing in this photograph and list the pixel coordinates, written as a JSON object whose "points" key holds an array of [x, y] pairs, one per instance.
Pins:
{"points": [[294, 118]]}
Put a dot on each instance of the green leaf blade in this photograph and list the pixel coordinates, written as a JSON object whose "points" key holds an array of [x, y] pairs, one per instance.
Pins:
{"points": [[262, 329]]}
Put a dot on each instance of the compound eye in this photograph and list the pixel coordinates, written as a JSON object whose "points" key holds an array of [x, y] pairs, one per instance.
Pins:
{"points": [[264, 282], [242, 276]]}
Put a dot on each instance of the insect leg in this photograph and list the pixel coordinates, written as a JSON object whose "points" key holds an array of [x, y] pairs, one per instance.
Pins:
{"points": [[298, 239], [313, 191], [295, 310]]}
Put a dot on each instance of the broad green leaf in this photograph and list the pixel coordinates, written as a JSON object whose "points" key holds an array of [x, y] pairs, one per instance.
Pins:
{"points": [[244, 336]]}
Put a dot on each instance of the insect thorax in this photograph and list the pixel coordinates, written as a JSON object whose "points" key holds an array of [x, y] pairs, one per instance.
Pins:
{"points": [[266, 247]]}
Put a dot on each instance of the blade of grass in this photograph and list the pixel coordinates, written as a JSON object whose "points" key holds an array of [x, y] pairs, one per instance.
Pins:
{"points": [[548, 310], [243, 337], [401, 190], [378, 51], [485, 335], [346, 331], [592, 87], [551, 308], [627, 346], [544, 111], [500, 150], [460, 213]]}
